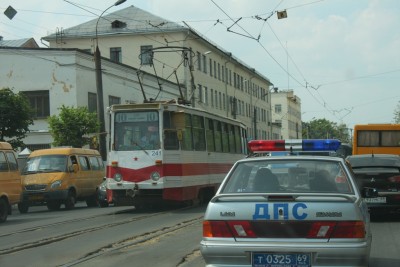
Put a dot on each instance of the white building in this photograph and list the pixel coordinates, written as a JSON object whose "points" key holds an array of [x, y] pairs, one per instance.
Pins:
{"points": [[168, 58], [287, 114], [220, 83], [54, 77]]}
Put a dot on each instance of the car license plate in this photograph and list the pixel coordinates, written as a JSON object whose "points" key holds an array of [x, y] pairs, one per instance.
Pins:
{"points": [[281, 259], [375, 200], [35, 197]]}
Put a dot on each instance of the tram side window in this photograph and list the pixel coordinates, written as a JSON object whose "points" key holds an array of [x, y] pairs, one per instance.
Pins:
{"points": [[198, 133], [210, 135], [171, 140], [232, 139], [218, 135], [238, 138], [225, 137], [171, 124], [187, 142]]}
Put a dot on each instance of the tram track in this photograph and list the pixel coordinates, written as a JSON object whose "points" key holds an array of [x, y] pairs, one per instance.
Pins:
{"points": [[35, 228], [57, 238], [134, 241]]}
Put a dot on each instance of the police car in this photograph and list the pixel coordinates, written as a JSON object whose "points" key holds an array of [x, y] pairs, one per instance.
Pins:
{"points": [[288, 211]]}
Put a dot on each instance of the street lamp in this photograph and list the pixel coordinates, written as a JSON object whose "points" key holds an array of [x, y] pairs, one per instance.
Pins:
{"points": [[99, 87]]}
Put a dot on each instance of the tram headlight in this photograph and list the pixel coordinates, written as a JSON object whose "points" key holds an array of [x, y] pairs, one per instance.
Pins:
{"points": [[155, 176], [118, 177]]}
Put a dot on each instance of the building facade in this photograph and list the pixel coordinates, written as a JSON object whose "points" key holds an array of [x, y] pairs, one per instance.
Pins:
{"points": [[286, 113], [210, 77], [51, 78]]}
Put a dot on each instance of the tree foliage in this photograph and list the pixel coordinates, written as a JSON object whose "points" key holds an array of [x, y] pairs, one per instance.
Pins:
{"points": [[15, 117], [397, 114], [72, 126], [322, 129]]}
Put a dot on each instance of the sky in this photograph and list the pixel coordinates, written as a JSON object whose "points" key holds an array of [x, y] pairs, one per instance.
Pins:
{"points": [[340, 57]]}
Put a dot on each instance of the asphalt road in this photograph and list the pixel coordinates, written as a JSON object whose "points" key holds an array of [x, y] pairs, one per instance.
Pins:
{"points": [[123, 236]]}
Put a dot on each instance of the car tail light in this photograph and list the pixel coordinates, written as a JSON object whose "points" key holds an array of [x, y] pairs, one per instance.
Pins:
{"points": [[227, 229], [316, 230], [349, 229], [241, 229], [321, 230], [346, 229], [394, 179], [216, 229]]}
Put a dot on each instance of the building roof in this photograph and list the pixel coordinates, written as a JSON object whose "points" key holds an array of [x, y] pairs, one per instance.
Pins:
{"points": [[130, 20], [26, 42]]}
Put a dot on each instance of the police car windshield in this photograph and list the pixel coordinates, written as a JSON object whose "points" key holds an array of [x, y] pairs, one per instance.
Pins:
{"points": [[292, 175]]}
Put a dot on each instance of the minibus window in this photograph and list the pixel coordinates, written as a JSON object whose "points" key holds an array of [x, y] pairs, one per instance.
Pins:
{"points": [[12, 162], [94, 164], [3, 162], [83, 161]]}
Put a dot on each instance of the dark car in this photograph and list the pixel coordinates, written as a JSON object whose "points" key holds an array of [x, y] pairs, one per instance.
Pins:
{"points": [[102, 195], [381, 172]]}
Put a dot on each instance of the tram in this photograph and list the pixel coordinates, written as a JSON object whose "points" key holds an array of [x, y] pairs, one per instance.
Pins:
{"points": [[166, 152]]}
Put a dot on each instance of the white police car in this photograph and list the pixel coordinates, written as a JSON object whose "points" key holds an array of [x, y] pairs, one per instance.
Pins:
{"points": [[287, 211]]}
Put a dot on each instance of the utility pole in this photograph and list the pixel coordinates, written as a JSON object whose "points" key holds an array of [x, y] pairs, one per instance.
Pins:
{"points": [[99, 88], [255, 123]]}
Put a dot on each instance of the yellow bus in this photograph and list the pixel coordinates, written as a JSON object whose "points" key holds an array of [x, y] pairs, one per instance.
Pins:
{"points": [[10, 180], [376, 139], [57, 176]]}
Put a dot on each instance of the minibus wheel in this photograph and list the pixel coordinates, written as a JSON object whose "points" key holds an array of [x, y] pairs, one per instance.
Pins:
{"points": [[53, 205], [3, 210], [70, 201], [23, 207]]}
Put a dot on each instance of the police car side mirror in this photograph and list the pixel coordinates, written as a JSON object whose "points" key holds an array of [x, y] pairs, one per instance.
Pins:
{"points": [[369, 192]]}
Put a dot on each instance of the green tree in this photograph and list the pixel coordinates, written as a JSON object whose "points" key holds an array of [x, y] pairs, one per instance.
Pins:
{"points": [[15, 117], [397, 114], [322, 129], [71, 126]]}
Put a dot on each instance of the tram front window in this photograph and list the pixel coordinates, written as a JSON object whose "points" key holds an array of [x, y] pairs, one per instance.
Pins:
{"points": [[136, 131]]}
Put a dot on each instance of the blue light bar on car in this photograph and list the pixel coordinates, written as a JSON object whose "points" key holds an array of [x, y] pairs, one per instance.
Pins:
{"points": [[294, 145]]}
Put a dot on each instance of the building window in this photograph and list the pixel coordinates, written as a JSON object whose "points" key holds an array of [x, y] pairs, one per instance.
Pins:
{"points": [[216, 98], [198, 61], [113, 100], [212, 97], [200, 91], [92, 102], [278, 108], [215, 69], [146, 55], [204, 64], [211, 67], [39, 102], [116, 54], [206, 95]]}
